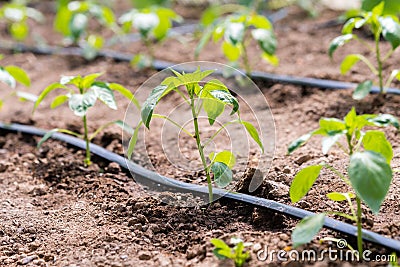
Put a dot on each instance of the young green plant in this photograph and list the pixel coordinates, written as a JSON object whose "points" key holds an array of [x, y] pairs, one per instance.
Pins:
{"points": [[369, 173], [82, 94], [153, 24], [385, 26], [10, 75], [72, 21], [237, 253], [16, 15], [237, 30], [211, 96]]}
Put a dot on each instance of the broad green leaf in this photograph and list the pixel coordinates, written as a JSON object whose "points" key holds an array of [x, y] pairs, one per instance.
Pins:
{"points": [[46, 91], [352, 23], [218, 243], [105, 94], [128, 129], [391, 7], [378, 9], [19, 75], [231, 52], [78, 25], [209, 15], [125, 92], [225, 156], [303, 182], [376, 141], [329, 141], [214, 108], [332, 126], [266, 40], [307, 229], [88, 80], [59, 100], [299, 142], [215, 84], [133, 140], [151, 102], [384, 120], [362, 90], [253, 133], [7, 78], [390, 30], [222, 174], [107, 16], [348, 62], [74, 80], [95, 42], [80, 103], [61, 22], [234, 33], [337, 42], [19, 30], [337, 196], [370, 176], [227, 98], [260, 22]]}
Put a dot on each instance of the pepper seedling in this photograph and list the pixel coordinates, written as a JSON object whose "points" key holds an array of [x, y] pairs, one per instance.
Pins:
{"points": [[10, 75], [385, 26], [153, 24], [237, 253], [16, 15], [369, 173], [213, 97], [236, 30], [72, 21], [84, 96]]}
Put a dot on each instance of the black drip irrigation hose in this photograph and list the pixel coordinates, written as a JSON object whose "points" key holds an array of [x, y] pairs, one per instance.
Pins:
{"points": [[141, 172], [161, 65]]}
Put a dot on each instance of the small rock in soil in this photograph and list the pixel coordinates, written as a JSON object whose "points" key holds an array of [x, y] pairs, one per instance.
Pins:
{"points": [[27, 260], [3, 166], [302, 159], [113, 168], [144, 255]]}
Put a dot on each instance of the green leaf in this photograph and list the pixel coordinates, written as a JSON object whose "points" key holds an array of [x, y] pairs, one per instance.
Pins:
{"points": [[332, 126], [80, 103], [337, 196], [133, 141], [378, 9], [337, 42], [353, 23], [370, 176], [46, 91], [222, 174], [234, 33], [125, 92], [74, 80], [266, 40], [253, 133], [260, 22], [348, 62], [48, 135], [19, 75], [105, 94], [307, 229], [19, 30], [128, 129], [303, 182], [299, 142], [205, 38], [213, 108], [376, 141], [225, 156], [59, 100], [390, 31], [231, 52], [78, 25], [218, 243], [23, 96], [151, 102], [88, 80], [227, 98], [7, 78], [61, 22], [362, 90], [329, 141], [215, 84], [271, 59], [384, 120]]}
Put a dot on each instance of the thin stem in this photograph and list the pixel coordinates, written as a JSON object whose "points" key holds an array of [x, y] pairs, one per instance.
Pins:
{"points": [[359, 226], [246, 62], [182, 95], [201, 151], [149, 47], [369, 64], [86, 138], [174, 123], [378, 58], [349, 143], [218, 131], [338, 173], [387, 55]]}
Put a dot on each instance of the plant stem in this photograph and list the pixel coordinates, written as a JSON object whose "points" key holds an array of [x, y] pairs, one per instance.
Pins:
{"points": [[149, 47], [86, 138], [378, 59], [200, 148], [359, 227], [246, 62]]}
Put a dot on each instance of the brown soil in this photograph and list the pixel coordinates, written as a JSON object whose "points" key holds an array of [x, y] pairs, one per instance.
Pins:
{"points": [[56, 212]]}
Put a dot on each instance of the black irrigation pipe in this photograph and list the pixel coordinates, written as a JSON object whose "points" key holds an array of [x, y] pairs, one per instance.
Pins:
{"points": [[141, 172], [161, 65]]}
